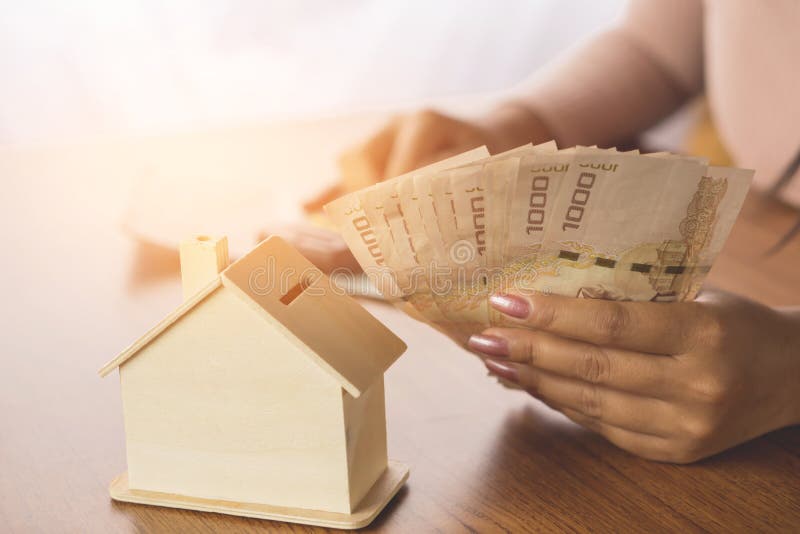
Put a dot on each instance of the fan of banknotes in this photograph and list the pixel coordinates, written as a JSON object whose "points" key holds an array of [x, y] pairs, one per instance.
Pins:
{"points": [[584, 222]]}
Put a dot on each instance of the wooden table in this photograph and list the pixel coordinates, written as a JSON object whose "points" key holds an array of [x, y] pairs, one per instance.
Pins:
{"points": [[483, 458]]}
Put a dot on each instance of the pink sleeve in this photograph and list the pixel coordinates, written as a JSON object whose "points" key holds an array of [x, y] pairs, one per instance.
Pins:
{"points": [[615, 85]]}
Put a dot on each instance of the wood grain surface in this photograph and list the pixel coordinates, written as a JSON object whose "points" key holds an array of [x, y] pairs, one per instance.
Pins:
{"points": [[482, 458]]}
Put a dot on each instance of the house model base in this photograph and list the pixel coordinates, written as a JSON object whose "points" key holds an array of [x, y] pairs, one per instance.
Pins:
{"points": [[378, 497]]}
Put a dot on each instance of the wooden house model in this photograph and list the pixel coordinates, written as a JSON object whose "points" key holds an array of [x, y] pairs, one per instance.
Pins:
{"points": [[261, 395]]}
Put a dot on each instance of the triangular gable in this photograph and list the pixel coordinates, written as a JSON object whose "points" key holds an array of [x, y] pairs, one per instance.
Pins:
{"points": [[334, 330], [343, 337], [165, 323]]}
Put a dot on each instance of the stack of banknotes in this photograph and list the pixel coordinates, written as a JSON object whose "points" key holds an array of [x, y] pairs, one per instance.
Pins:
{"points": [[584, 222]]}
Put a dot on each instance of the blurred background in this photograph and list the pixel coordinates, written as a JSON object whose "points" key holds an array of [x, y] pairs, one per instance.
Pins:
{"points": [[90, 68]]}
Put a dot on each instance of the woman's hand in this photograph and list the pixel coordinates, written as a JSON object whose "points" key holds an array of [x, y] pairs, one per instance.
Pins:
{"points": [[411, 141], [405, 143], [672, 382]]}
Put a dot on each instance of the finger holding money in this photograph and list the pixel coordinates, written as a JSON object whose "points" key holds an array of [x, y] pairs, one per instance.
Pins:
{"points": [[703, 375]]}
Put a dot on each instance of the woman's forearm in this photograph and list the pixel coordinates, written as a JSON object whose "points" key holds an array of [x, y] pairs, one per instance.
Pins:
{"points": [[620, 82]]}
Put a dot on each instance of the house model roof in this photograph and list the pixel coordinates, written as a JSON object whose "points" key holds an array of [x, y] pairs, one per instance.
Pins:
{"points": [[331, 328]]}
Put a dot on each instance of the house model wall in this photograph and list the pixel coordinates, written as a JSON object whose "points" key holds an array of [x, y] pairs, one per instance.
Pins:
{"points": [[265, 387]]}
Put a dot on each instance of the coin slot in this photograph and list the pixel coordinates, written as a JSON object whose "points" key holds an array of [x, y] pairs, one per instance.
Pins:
{"points": [[295, 291]]}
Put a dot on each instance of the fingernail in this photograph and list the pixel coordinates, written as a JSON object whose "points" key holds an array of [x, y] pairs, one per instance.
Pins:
{"points": [[503, 370], [512, 305], [493, 345]]}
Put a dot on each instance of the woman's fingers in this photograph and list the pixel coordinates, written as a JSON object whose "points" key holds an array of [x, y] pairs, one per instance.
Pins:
{"points": [[365, 164], [360, 166], [404, 144], [316, 203], [618, 408], [658, 328], [645, 374], [426, 136], [418, 135], [644, 445]]}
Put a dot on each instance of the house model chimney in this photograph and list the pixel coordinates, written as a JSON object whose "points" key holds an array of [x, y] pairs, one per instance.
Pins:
{"points": [[203, 257]]}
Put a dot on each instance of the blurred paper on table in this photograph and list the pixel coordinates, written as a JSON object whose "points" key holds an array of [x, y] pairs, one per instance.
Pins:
{"points": [[235, 182], [245, 183]]}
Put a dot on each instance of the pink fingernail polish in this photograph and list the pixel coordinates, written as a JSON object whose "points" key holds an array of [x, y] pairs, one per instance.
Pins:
{"points": [[503, 370], [512, 305], [493, 345]]}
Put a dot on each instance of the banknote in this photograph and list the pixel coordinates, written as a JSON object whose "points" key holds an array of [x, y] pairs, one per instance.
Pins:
{"points": [[632, 228], [584, 222], [347, 214]]}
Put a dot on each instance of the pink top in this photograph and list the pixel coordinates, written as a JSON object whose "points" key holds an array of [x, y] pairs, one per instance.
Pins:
{"points": [[744, 54]]}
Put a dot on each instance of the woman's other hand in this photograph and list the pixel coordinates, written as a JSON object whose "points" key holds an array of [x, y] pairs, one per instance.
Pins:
{"points": [[414, 140]]}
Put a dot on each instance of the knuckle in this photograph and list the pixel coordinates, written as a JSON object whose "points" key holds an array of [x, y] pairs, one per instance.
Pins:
{"points": [[713, 390], [593, 365], [528, 349], [698, 429], [711, 331], [546, 314], [611, 323], [663, 377], [590, 401]]}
